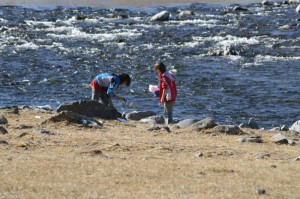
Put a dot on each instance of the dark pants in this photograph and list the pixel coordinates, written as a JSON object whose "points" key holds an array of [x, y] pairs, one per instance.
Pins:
{"points": [[168, 111], [101, 97]]}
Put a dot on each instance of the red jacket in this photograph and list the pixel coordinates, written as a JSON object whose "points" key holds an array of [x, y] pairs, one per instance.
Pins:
{"points": [[167, 81]]}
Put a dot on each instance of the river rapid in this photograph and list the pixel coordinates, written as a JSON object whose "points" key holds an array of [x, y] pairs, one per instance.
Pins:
{"points": [[50, 55]]}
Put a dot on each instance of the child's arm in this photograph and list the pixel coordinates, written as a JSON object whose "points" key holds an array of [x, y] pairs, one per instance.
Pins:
{"points": [[163, 95]]}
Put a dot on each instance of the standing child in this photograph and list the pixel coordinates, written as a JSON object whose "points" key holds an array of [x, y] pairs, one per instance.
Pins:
{"points": [[167, 90], [105, 85]]}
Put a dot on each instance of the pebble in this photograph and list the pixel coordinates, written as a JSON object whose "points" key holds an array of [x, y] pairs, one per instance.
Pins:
{"points": [[260, 191], [3, 120], [3, 130], [262, 155], [4, 142]]}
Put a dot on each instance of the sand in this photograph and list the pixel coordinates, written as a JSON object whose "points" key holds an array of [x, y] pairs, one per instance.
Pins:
{"points": [[121, 160], [117, 3]]}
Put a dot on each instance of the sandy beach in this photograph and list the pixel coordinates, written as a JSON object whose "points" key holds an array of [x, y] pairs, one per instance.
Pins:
{"points": [[119, 160], [117, 3]]}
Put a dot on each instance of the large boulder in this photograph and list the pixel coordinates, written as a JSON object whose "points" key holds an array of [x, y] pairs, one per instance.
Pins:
{"points": [[91, 108], [161, 16], [204, 124], [296, 126], [138, 115]]}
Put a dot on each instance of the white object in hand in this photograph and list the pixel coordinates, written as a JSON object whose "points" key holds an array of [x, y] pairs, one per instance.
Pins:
{"points": [[153, 88]]}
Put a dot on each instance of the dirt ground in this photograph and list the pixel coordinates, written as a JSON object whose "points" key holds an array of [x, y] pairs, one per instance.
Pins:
{"points": [[125, 160]]}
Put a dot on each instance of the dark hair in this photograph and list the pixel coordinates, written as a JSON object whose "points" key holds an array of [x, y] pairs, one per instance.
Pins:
{"points": [[160, 66], [125, 78]]}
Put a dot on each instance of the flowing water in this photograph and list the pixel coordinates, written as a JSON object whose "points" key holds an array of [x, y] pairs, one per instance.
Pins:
{"points": [[49, 56]]}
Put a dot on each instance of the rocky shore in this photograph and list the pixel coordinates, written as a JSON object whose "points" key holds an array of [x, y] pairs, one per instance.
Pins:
{"points": [[80, 152]]}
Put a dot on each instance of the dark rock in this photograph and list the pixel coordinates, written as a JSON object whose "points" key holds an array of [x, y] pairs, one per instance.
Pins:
{"points": [[91, 108], [279, 139], [10, 109], [154, 128], [161, 16], [227, 129], [260, 191], [266, 3], [206, 123], [3, 120], [3, 130], [251, 124], [72, 117], [155, 119], [138, 115], [24, 126], [23, 134], [81, 17], [4, 142], [166, 128], [239, 8]]}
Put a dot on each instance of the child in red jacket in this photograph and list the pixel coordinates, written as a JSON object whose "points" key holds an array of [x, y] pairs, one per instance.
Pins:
{"points": [[167, 90]]}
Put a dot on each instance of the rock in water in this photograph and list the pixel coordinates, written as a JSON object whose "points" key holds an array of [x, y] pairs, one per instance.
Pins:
{"points": [[298, 8], [91, 108], [185, 14], [161, 16], [296, 126]]}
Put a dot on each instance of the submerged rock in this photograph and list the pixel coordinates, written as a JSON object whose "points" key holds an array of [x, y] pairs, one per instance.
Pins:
{"points": [[161, 16], [91, 108], [239, 8], [184, 14], [298, 8]]}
